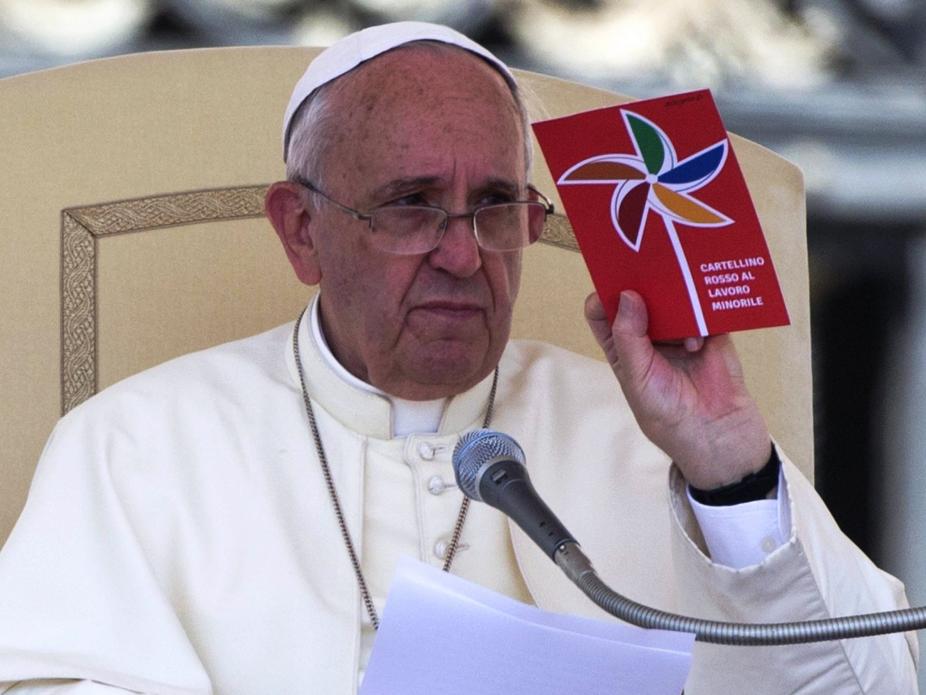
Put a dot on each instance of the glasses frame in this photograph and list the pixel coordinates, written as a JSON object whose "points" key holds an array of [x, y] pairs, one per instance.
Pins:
{"points": [[548, 209]]}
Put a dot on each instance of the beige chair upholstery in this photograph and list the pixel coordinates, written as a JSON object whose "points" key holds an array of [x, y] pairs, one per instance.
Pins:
{"points": [[130, 204]]}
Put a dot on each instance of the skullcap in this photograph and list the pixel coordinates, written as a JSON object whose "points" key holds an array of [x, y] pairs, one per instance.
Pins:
{"points": [[347, 53]]}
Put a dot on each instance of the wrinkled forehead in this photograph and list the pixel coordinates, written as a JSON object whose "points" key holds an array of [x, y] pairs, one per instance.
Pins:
{"points": [[423, 103]]}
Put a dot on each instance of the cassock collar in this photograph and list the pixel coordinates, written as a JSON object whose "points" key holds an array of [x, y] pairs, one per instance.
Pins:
{"points": [[364, 411]]}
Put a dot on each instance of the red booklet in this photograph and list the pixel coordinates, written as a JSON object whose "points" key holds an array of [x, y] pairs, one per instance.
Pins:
{"points": [[659, 205]]}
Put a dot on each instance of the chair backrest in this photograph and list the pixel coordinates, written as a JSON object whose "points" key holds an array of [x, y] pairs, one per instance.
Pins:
{"points": [[130, 205]]}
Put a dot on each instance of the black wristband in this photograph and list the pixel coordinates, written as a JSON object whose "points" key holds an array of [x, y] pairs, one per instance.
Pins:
{"points": [[753, 487]]}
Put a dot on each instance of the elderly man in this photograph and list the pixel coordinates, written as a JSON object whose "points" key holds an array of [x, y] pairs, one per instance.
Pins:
{"points": [[229, 521]]}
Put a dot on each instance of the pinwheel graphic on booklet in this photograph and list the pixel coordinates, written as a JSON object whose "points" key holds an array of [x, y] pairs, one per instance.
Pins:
{"points": [[659, 205]]}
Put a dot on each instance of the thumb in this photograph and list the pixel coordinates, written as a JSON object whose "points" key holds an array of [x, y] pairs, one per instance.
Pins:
{"points": [[597, 319], [632, 320], [632, 347], [626, 338]]}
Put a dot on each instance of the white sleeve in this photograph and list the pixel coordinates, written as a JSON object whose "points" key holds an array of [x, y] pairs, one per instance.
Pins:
{"points": [[816, 573], [741, 535]]}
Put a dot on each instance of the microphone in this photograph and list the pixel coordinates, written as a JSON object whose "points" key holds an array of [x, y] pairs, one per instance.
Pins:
{"points": [[489, 467]]}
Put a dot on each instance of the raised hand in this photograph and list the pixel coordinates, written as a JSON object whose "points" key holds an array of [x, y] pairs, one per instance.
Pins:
{"points": [[689, 398]]}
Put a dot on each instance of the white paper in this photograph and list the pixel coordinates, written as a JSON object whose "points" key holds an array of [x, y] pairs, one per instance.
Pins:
{"points": [[442, 635]]}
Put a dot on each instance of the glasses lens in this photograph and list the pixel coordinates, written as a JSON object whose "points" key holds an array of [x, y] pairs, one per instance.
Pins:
{"points": [[509, 226], [407, 229]]}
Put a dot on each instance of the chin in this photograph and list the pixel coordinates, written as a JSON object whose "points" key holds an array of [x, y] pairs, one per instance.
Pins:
{"points": [[447, 375]]}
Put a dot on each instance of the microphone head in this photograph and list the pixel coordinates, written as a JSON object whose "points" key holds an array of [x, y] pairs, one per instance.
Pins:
{"points": [[475, 451]]}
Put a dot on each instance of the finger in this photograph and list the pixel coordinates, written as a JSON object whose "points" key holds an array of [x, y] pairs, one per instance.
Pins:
{"points": [[632, 319], [597, 319], [694, 344], [631, 341], [723, 344]]}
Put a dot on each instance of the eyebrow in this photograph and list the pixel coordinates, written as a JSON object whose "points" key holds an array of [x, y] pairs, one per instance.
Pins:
{"points": [[396, 186], [507, 185], [401, 185]]}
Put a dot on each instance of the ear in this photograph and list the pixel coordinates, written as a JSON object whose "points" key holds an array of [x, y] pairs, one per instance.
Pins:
{"points": [[285, 207]]}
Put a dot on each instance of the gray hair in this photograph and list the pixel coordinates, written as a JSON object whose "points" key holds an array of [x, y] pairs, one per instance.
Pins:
{"points": [[316, 120]]}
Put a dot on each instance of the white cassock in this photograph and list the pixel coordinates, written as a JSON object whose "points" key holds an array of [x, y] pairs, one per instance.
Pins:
{"points": [[179, 538]]}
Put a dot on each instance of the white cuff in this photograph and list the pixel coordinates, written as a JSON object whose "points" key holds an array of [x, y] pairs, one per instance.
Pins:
{"points": [[741, 535]]}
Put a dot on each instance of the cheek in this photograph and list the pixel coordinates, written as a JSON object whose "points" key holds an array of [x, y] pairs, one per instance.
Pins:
{"points": [[393, 278], [504, 277], [504, 280], [514, 279], [369, 288]]}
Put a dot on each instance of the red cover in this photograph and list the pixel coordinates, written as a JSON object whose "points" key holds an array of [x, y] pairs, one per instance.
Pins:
{"points": [[659, 205]]}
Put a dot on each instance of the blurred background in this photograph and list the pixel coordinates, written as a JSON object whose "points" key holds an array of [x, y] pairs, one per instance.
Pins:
{"points": [[837, 86]]}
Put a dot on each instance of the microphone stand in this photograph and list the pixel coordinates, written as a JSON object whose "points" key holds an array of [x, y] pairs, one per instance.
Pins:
{"points": [[574, 563], [489, 467]]}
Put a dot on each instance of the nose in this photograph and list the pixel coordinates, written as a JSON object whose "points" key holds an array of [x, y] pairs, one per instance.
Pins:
{"points": [[457, 253]]}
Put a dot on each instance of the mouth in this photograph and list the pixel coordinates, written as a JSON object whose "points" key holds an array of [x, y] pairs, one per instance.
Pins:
{"points": [[450, 307], [448, 312]]}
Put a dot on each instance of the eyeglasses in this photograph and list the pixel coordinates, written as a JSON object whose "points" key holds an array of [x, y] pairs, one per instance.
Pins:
{"points": [[418, 229]]}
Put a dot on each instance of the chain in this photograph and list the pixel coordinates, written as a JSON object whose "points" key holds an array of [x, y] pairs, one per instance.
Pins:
{"points": [[336, 501]]}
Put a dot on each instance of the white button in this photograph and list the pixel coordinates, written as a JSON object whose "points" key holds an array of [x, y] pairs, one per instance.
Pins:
{"points": [[441, 547], [426, 451], [769, 544], [436, 485]]}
